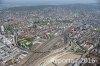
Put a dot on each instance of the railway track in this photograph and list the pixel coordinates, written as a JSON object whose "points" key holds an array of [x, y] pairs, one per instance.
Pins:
{"points": [[40, 52]]}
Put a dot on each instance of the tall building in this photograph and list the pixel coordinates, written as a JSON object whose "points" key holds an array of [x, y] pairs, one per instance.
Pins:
{"points": [[15, 37], [2, 30]]}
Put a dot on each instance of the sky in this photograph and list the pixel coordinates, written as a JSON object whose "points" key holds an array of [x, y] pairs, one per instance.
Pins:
{"points": [[45, 2]]}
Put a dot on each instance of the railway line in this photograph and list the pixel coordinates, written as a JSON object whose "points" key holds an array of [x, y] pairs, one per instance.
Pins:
{"points": [[40, 52]]}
